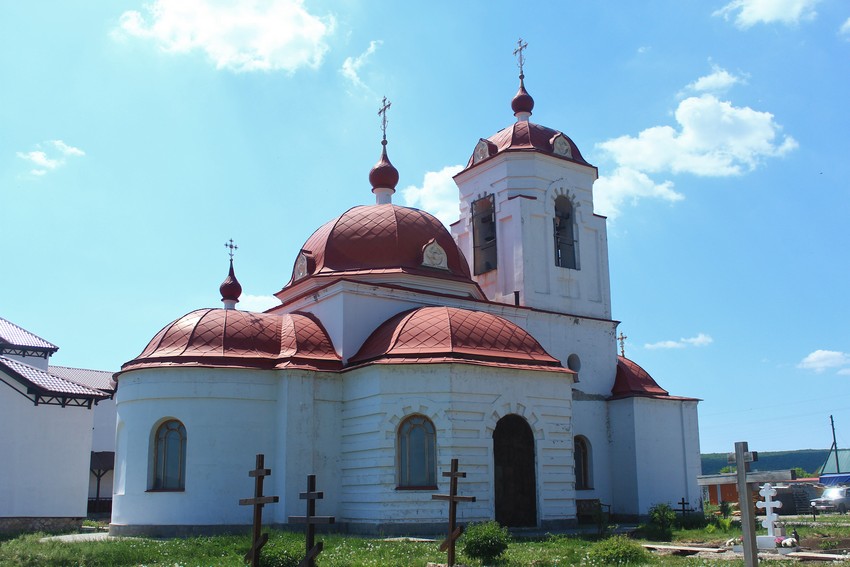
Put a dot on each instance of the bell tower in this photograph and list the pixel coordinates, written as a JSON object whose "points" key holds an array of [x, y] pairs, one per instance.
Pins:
{"points": [[527, 225]]}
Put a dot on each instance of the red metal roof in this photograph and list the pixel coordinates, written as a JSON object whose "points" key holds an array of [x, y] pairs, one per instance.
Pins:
{"points": [[46, 383], [13, 335], [381, 237], [449, 334], [525, 136], [632, 380], [228, 337]]}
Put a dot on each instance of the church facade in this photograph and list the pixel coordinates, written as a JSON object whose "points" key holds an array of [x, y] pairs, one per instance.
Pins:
{"points": [[399, 345]]}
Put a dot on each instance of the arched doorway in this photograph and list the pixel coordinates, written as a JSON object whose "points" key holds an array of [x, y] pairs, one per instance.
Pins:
{"points": [[515, 485]]}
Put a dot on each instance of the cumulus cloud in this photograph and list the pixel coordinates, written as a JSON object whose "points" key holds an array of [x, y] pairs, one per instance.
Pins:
{"points": [[437, 195], [712, 138], [351, 66], [49, 155], [243, 35], [700, 340], [844, 30], [257, 303], [822, 360], [626, 184], [747, 13], [718, 81]]}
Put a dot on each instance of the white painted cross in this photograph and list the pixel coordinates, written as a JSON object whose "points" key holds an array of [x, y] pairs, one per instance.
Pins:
{"points": [[769, 505]]}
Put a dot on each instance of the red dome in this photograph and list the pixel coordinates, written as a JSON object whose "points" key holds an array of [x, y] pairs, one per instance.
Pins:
{"points": [[232, 338], [382, 238], [522, 101], [524, 136], [450, 334], [230, 288], [384, 174], [632, 380]]}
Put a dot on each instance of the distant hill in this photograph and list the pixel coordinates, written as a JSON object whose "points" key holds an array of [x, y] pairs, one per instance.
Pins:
{"points": [[808, 459]]}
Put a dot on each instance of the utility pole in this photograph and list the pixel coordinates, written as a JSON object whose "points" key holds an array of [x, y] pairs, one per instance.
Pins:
{"points": [[834, 445]]}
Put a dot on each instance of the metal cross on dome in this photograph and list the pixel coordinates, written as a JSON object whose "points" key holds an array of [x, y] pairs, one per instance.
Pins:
{"points": [[622, 338], [229, 244], [518, 52], [382, 112]]}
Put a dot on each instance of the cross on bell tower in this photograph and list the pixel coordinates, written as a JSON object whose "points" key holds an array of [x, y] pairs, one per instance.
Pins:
{"points": [[622, 339], [229, 244], [521, 46], [382, 112]]}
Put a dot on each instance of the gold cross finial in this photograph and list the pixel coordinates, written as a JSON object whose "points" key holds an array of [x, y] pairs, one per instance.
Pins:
{"points": [[382, 112], [520, 47], [229, 244], [622, 338]]}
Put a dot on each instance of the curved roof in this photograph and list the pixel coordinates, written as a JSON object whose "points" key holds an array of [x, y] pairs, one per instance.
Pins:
{"points": [[632, 380], [450, 334], [231, 338], [379, 238], [525, 136]]}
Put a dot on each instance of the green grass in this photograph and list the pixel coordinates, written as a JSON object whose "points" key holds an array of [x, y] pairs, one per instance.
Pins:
{"points": [[340, 551]]}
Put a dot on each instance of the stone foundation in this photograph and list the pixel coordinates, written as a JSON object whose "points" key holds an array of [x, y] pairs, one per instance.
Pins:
{"points": [[49, 525]]}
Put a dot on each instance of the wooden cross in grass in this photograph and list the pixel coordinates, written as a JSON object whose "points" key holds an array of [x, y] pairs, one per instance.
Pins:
{"points": [[452, 497], [258, 501], [311, 519]]}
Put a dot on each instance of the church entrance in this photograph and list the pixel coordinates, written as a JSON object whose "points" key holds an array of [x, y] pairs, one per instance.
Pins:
{"points": [[515, 486]]}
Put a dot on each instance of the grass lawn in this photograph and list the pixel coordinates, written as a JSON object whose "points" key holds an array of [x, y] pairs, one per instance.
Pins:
{"points": [[347, 551]]}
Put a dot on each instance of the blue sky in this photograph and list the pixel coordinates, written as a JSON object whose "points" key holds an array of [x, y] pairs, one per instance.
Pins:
{"points": [[136, 138]]}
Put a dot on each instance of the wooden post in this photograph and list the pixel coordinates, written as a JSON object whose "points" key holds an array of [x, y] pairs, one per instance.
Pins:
{"points": [[745, 502], [258, 501], [452, 497], [313, 549]]}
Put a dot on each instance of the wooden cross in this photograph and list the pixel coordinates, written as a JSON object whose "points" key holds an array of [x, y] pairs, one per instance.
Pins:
{"points": [[382, 112], [520, 57], [229, 244], [685, 505], [622, 338], [453, 499], [311, 519], [258, 501]]}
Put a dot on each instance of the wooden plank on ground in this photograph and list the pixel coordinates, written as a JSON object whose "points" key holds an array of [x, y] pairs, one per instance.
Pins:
{"points": [[683, 548], [810, 556]]}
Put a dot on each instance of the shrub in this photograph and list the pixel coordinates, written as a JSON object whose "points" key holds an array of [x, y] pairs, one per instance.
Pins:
{"points": [[485, 541], [725, 509], [692, 521], [617, 550], [661, 521]]}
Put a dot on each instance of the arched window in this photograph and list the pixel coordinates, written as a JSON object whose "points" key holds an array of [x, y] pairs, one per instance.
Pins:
{"points": [[565, 244], [484, 234], [169, 457], [417, 453], [584, 479]]}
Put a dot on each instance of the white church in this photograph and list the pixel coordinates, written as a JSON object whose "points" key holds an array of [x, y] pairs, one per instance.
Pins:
{"points": [[398, 346]]}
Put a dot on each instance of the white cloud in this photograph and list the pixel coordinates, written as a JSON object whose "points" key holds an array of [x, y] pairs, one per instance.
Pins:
{"points": [[750, 12], [719, 81], [844, 30], [700, 340], [438, 194], [714, 138], [628, 185], [45, 157], [257, 303], [242, 35], [351, 66], [821, 360]]}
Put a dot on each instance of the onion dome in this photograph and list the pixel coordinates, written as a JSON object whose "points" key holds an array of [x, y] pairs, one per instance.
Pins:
{"points": [[379, 238], [522, 103], [525, 136], [449, 334], [218, 338], [230, 289], [633, 381], [383, 177]]}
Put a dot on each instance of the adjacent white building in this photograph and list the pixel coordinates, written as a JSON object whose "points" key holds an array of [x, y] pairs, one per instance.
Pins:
{"points": [[47, 419], [399, 345]]}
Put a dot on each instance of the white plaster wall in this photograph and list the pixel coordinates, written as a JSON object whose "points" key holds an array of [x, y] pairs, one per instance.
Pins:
{"points": [[103, 426], [229, 415], [590, 419], [45, 457], [35, 361], [656, 448], [465, 402]]}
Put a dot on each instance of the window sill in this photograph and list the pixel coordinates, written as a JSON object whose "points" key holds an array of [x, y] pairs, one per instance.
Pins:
{"points": [[166, 490], [416, 488], [584, 488]]}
